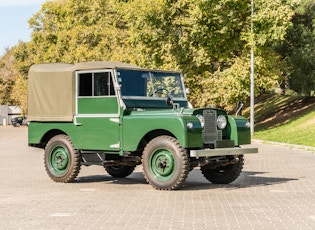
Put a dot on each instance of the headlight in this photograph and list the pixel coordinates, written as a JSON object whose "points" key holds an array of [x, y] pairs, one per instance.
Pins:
{"points": [[201, 119], [221, 122], [190, 125]]}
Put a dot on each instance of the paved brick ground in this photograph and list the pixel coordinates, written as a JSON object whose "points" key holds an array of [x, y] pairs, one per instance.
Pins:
{"points": [[275, 191]]}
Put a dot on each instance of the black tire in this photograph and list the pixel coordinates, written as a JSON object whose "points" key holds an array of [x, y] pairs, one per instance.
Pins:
{"points": [[165, 163], [62, 161], [119, 171], [223, 175]]}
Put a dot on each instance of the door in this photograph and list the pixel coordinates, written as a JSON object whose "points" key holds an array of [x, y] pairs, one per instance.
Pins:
{"points": [[97, 111]]}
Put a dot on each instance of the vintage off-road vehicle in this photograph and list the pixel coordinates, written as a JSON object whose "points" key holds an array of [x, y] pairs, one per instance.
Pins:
{"points": [[118, 116]]}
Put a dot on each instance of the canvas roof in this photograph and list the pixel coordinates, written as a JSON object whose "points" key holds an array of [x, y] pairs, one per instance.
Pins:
{"points": [[51, 88], [63, 67]]}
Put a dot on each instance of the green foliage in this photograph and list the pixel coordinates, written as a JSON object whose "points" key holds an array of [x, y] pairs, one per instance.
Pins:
{"points": [[209, 41], [74, 31], [298, 49], [8, 76]]}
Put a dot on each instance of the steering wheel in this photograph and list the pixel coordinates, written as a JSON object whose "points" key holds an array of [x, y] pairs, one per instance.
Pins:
{"points": [[161, 91]]}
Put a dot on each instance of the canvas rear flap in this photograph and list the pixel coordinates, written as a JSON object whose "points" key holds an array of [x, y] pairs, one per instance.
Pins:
{"points": [[51, 92]]}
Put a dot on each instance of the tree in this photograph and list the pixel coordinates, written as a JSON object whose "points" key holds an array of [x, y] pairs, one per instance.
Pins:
{"points": [[298, 49], [208, 40], [8, 76], [75, 31]]}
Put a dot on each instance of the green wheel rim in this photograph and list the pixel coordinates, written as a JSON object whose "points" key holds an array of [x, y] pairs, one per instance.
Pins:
{"points": [[162, 164], [59, 159]]}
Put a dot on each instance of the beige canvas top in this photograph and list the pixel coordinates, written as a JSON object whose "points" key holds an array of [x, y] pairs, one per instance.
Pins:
{"points": [[102, 65], [51, 88]]}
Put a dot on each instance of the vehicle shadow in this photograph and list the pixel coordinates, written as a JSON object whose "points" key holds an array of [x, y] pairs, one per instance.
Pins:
{"points": [[196, 181], [134, 178], [245, 180]]}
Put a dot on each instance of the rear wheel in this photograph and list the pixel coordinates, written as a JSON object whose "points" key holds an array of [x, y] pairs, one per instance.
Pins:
{"points": [[62, 161], [223, 175], [165, 163], [119, 171]]}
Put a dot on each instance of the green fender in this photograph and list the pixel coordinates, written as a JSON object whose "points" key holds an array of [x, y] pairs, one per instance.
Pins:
{"points": [[239, 130], [136, 127]]}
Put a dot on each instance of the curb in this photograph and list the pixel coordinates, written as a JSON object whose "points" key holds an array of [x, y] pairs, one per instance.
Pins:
{"points": [[291, 146]]}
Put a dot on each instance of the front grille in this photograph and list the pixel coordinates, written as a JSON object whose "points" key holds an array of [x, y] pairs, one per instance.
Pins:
{"points": [[210, 133]]}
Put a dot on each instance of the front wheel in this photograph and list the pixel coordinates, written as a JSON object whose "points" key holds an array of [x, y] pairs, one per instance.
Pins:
{"points": [[62, 161], [165, 163], [225, 174]]}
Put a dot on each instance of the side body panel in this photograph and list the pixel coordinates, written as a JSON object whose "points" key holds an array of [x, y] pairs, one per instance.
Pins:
{"points": [[97, 124], [92, 135], [38, 130], [122, 134], [137, 125]]}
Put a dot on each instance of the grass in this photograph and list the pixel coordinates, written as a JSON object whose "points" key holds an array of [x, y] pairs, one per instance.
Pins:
{"points": [[286, 119], [300, 131]]}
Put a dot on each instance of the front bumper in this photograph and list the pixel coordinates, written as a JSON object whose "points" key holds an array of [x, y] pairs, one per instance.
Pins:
{"points": [[222, 152]]}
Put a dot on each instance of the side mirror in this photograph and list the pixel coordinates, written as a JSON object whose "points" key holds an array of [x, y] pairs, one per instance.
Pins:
{"points": [[169, 101], [239, 108]]}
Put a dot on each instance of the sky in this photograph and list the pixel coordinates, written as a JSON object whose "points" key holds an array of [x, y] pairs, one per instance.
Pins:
{"points": [[14, 16]]}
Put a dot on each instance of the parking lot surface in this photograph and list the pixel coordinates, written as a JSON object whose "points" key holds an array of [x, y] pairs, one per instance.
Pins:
{"points": [[275, 191]]}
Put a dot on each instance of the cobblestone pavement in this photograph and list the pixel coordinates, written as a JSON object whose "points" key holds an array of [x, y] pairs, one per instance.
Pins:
{"points": [[275, 191]]}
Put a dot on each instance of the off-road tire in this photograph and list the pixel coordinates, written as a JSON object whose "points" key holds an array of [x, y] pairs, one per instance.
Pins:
{"points": [[223, 175], [165, 163], [119, 171], [62, 161]]}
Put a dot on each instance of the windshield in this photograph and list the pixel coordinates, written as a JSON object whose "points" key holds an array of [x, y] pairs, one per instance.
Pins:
{"points": [[135, 83]]}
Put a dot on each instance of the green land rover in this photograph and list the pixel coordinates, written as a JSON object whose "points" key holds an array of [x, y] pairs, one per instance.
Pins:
{"points": [[119, 115]]}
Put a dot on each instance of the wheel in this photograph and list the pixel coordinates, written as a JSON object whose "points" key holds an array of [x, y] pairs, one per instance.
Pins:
{"points": [[119, 171], [165, 163], [223, 175], [62, 161]]}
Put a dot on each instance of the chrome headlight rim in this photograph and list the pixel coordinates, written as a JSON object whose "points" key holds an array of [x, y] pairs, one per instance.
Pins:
{"points": [[201, 120], [221, 122]]}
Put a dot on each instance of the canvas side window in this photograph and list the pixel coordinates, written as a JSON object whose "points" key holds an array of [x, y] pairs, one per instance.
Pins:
{"points": [[85, 84], [103, 85], [96, 84]]}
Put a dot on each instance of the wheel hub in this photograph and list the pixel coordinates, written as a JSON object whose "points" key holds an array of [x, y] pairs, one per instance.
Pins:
{"points": [[59, 159], [162, 164]]}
